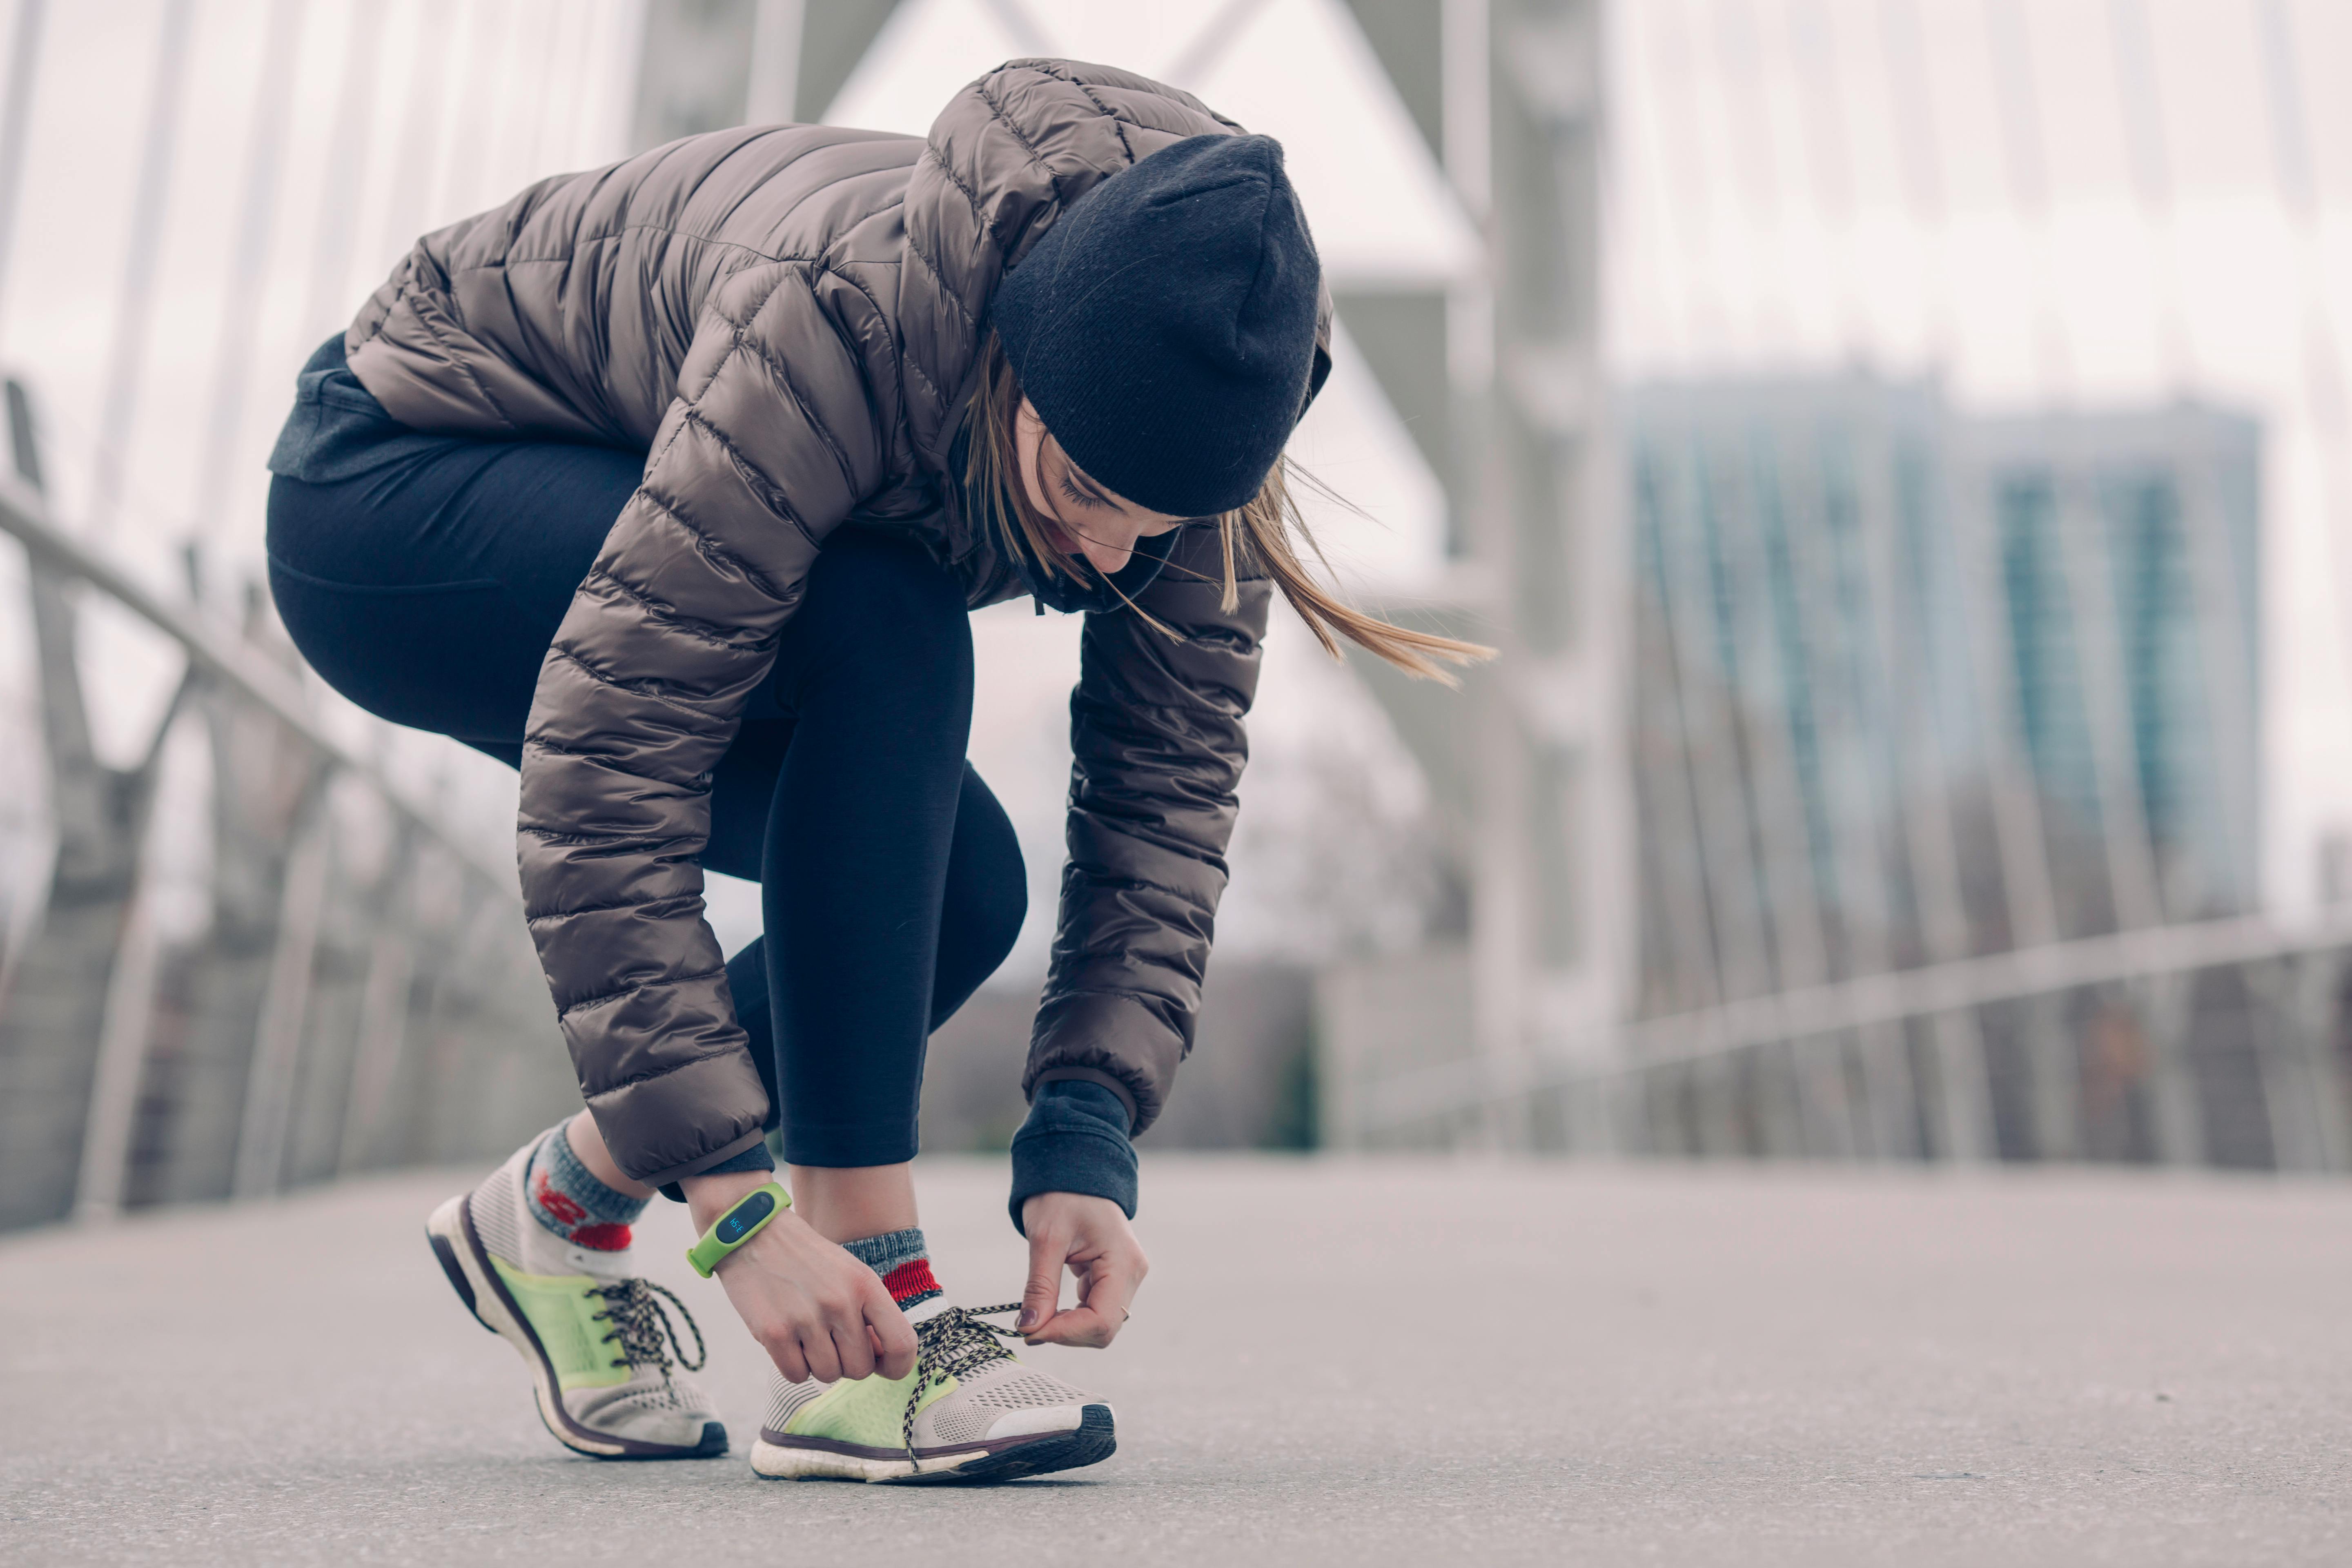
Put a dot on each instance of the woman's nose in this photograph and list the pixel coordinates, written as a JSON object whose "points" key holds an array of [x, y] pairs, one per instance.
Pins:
{"points": [[1106, 556]]}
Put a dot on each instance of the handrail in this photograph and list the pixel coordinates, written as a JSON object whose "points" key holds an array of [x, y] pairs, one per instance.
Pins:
{"points": [[23, 514], [1875, 999]]}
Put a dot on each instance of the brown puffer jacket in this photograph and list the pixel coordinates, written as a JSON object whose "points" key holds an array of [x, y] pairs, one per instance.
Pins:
{"points": [[788, 320]]}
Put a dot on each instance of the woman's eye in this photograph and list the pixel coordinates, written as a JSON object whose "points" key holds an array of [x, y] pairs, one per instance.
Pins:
{"points": [[1076, 494]]}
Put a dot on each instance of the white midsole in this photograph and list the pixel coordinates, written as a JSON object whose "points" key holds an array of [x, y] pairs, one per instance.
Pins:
{"points": [[448, 1223], [779, 1463]]}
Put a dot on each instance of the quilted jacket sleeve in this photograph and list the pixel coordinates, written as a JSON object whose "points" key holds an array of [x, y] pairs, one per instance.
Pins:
{"points": [[770, 443], [1156, 729]]}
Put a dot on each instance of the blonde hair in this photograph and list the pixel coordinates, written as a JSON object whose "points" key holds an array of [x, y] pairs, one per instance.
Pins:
{"points": [[1264, 531]]}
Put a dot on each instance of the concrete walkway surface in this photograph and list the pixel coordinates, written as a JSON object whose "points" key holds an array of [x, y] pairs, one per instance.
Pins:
{"points": [[1334, 1361]]}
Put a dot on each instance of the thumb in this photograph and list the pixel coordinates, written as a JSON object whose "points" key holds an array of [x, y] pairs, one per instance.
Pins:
{"points": [[1042, 1295]]}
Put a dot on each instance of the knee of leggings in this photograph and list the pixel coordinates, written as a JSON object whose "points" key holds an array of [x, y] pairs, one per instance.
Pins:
{"points": [[1003, 905], [980, 925]]}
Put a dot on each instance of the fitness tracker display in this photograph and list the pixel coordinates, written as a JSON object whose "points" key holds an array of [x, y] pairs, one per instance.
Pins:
{"points": [[739, 1224]]}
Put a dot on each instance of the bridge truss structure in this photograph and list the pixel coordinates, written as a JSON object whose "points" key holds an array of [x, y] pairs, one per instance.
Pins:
{"points": [[2106, 996]]}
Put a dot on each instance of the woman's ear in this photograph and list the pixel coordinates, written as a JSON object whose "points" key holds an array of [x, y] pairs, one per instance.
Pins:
{"points": [[1316, 377], [1319, 369]]}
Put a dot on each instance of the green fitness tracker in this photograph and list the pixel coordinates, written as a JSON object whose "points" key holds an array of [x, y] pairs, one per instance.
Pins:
{"points": [[739, 1224]]}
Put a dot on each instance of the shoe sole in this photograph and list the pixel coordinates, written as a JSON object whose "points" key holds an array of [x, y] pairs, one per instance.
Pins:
{"points": [[1090, 1442], [466, 1262]]}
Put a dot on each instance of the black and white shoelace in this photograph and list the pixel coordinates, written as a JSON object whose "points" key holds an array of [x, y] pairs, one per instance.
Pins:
{"points": [[640, 1323], [953, 1343]]}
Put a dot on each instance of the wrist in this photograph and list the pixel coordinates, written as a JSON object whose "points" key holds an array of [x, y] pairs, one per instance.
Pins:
{"points": [[738, 1227], [1038, 1206], [711, 1194]]}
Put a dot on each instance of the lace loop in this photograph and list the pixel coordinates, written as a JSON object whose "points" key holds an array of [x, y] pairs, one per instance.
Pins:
{"points": [[640, 1321], [953, 1343]]}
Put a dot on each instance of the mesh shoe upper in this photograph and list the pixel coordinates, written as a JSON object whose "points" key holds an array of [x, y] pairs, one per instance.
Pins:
{"points": [[972, 1389], [997, 1402], [614, 1349]]}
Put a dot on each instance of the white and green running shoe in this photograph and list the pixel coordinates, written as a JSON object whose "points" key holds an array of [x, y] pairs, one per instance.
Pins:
{"points": [[969, 1411], [593, 1336]]}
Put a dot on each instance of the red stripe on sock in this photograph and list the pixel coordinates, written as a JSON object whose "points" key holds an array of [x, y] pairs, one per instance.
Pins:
{"points": [[909, 1280], [601, 1237]]}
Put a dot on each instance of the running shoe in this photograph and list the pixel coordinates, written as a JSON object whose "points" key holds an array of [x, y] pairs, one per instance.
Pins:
{"points": [[600, 1342], [969, 1411]]}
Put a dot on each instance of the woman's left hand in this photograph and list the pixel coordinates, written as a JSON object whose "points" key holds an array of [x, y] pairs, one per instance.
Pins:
{"points": [[1091, 1236]]}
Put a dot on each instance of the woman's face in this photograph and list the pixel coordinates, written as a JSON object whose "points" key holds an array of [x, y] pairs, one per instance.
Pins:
{"points": [[1086, 517]]}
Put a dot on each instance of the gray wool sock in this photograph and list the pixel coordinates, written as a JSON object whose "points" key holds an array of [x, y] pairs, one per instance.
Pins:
{"points": [[903, 1259], [571, 1202]]}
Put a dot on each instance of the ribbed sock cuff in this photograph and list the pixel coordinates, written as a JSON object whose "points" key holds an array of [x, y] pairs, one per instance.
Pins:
{"points": [[911, 1284], [903, 1259], [567, 1199]]}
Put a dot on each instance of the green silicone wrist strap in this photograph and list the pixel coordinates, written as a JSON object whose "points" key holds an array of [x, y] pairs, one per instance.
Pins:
{"points": [[739, 1224]]}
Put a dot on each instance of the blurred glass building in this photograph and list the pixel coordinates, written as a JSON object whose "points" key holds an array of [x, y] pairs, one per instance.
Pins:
{"points": [[2129, 555], [1910, 687]]}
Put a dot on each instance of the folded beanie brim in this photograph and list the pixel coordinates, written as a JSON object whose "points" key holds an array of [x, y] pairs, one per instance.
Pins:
{"points": [[1164, 327]]}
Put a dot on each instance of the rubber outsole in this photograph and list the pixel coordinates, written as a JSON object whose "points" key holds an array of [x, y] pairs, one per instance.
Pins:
{"points": [[1093, 1440], [457, 1282], [458, 1251]]}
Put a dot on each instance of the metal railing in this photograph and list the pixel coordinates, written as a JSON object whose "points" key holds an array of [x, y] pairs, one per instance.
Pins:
{"points": [[2218, 1042], [254, 959], [339, 1010]]}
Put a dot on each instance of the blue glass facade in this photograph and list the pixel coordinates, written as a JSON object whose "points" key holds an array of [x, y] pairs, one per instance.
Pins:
{"points": [[1910, 687]]}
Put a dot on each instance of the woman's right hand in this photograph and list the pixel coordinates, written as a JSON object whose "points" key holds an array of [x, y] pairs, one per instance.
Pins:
{"points": [[817, 1311]]}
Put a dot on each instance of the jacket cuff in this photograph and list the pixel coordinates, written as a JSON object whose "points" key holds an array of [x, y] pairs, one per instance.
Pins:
{"points": [[679, 1121], [1130, 1039], [1092, 1075], [667, 1182], [1075, 1141], [755, 1158]]}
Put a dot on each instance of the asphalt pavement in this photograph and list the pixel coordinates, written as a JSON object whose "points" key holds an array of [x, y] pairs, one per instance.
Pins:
{"points": [[1333, 1362]]}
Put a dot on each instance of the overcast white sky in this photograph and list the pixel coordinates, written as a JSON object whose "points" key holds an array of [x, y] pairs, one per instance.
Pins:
{"points": [[2066, 202]]}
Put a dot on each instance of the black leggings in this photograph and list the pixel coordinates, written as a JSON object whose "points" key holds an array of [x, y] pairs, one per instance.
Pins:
{"points": [[428, 591]]}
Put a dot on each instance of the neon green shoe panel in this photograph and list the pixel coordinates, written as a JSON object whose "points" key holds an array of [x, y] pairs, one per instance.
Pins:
{"points": [[564, 1316], [868, 1410]]}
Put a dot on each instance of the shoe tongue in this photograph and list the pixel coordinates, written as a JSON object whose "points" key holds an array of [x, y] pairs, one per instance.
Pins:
{"points": [[924, 1311]]}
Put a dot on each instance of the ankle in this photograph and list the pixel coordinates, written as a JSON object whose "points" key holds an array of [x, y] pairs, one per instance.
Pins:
{"points": [[903, 1258], [844, 1201], [586, 1142], [571, 1202]]}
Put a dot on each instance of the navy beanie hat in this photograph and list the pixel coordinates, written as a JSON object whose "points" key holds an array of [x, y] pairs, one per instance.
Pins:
{"points": [[1164, 327]]}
